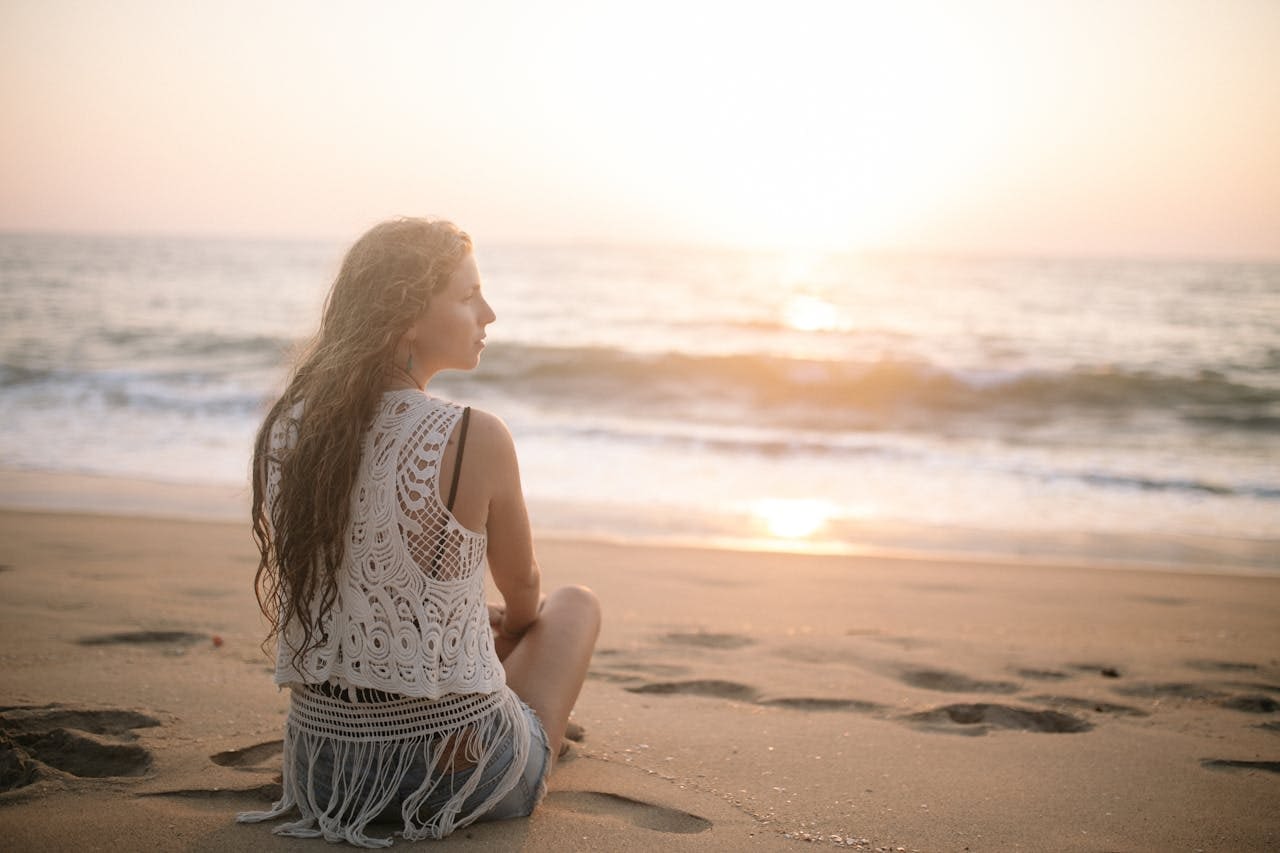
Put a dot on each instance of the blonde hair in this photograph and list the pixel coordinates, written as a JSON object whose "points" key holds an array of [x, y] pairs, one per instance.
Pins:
{"points": [[386, 281]]}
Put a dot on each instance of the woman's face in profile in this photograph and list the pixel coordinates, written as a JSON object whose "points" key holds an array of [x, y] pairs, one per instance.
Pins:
{"points": [[450, 333]]}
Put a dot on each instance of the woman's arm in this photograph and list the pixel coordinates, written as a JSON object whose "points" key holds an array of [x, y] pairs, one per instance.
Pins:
{"points": [[511, 558]]}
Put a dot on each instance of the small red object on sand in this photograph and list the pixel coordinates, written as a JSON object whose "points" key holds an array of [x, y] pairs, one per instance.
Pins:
{"points": [[217, 641]]}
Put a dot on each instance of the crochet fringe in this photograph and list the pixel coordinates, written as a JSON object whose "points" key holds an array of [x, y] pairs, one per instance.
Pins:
{"points": [[374, 745]]}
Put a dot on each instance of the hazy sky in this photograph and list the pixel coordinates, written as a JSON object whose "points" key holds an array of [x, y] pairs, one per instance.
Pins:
{"points": [[1063, 127]]}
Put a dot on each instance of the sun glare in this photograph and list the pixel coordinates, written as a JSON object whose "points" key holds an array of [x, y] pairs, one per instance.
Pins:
{"points": [[811, 314], [791, 518]]}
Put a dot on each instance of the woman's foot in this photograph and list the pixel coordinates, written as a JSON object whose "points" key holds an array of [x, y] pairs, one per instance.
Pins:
{"points": [[572, 732]]}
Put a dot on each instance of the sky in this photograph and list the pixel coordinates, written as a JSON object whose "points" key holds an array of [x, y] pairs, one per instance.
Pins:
{"points": [[1128, 127]]}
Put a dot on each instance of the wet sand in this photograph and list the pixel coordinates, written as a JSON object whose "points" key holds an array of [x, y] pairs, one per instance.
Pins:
{"points": [[737, 701]]}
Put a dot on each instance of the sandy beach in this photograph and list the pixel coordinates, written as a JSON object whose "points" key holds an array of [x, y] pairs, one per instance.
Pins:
{"points": [[737, 701]]}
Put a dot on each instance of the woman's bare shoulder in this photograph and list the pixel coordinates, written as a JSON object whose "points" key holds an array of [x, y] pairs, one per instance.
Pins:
{"points": [[491, 435], [486, 423]]}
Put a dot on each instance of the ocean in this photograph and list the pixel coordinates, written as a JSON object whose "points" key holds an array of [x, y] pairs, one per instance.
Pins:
{"points": [[1099, 409]]}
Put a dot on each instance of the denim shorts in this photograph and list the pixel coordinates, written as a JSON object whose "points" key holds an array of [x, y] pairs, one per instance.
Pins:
{"points": [[519, 802]]}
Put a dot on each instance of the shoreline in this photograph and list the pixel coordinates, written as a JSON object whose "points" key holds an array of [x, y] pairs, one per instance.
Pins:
{"points": [[736, 700], [96, 494]]}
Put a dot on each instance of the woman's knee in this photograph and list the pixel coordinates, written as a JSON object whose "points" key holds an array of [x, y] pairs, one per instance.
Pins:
{"points": [[580, 600]]}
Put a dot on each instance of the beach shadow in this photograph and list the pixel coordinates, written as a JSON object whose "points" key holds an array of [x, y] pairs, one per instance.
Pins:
{"points": [[635, 812]]}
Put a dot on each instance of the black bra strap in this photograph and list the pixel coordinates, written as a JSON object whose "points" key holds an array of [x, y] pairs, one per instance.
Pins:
{"points": [[457, 465]]}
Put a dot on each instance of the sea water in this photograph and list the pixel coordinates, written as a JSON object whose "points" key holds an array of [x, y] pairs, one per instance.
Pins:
{"points": [[1096, 408]]}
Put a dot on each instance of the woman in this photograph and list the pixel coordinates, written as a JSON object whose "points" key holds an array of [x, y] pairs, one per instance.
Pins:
{"points": [[374, 507]]}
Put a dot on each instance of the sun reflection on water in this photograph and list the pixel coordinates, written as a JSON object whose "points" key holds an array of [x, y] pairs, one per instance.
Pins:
{"points": [[793, 518], [811, 314]]}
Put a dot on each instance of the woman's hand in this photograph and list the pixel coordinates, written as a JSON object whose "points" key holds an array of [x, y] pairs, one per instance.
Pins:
{"points": [[503, 643]]}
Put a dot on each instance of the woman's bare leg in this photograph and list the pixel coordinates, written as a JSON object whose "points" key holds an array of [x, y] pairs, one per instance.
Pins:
{"points": [[547, 667]]}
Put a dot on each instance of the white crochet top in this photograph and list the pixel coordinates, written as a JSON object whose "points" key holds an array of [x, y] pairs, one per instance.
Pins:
{"points": [[410, 615], [405, 678]]}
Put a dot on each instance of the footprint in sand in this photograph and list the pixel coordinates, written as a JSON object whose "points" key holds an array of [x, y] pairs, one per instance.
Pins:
{"points": [[1171, 690], [707, 640], [980, 718], [700, 687], [952, 682], [1106, 670], [736, 692], [268, 792], [258, 758], [1165, 600], [818, 654], [635, 812], [1264, 686], [1235, 764], [818, 703], [1254, 704], [249, 757], [1222, 666], [1089, 705], [908, 644], [620, 671], [1042, 674], [46, 718], [83, 742], [143, 638], [614, 665]]}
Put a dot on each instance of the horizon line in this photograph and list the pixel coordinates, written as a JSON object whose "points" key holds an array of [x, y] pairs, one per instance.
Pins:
{"points": [[615, 243]]}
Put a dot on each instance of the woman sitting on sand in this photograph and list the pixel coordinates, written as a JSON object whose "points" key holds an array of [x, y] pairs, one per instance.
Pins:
{"points": [[374, 508]]}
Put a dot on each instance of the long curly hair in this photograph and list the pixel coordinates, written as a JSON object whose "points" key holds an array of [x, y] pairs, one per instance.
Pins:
{"points": [[386, 281]]}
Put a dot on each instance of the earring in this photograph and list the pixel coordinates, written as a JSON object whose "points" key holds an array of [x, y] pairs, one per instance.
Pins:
{"points": [[408, 365]]}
